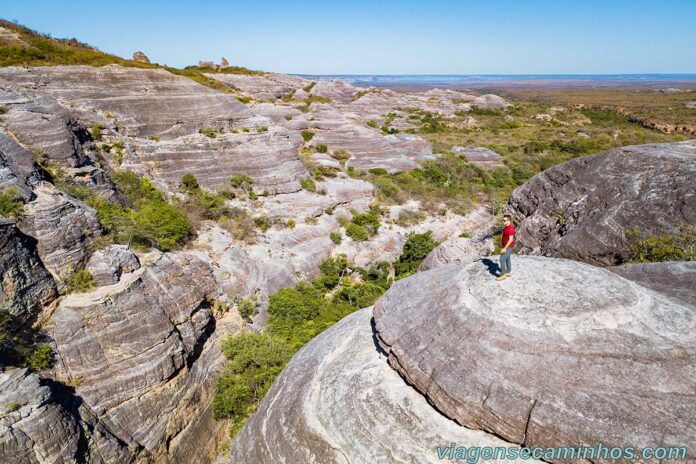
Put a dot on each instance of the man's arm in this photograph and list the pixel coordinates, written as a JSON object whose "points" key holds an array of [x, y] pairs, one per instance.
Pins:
{"points": [[507, 245]]}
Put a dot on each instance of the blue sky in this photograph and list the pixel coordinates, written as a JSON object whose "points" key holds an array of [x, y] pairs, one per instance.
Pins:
{"points": [[385, 37]]}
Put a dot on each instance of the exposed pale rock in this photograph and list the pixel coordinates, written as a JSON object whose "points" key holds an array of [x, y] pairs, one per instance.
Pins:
{"points": [[457, 250], [582, 209], [141, 57], [50, 425], [224, 63], [97, 180], [141, 102], [262, 87], [690, 105], [107, 265], [9, 38], [338, 401], [539, 360], [141, 352], [676, 279], [63, 227], [17, 167], [25, 285], [479, 156], [336, 90], [270, 158], [44, 126]]}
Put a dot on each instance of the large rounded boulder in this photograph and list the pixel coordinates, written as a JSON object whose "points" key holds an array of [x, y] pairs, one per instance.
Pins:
{"points": [[560, 354], [582, 209]]}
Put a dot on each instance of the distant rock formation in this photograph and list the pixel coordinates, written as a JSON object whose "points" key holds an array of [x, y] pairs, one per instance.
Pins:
{"points": [[206, 64], [224, 63], [141, 57], [479, 156], [582, 209]]}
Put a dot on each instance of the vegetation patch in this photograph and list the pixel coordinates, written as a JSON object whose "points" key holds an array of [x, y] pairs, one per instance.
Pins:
{"points": [[665, 246]]}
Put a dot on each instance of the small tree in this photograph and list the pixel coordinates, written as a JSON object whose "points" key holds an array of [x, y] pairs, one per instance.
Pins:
{"points": [[189, 182]]}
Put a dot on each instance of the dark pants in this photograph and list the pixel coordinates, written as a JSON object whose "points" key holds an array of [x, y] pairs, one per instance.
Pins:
{"points": [[505, 263]]}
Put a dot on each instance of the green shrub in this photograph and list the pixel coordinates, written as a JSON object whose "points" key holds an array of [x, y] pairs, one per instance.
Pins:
{"points": [[288, 117], [96, 132], [291, 223], [675, 246], [253, 363], [308, 88], [308, 184], [332, 269], [416, 248], [208, 132], [242, 181], [373, 123], [262, 129], [3, 109], [359, 296], [368, 221], [189, 182], [262, 222], [154, 138], [307, 135], [357, 232], [246, 308], [81, 282], [336, 237], [378, 171], [244, 99], [321, 148], [11, 204], [386, 188], [410, 217], [41, 358]]}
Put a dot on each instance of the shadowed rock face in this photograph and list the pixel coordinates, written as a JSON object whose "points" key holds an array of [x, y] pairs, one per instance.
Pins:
{"points": [[63, 227], [40, 423], [338, 401], [17, 167], [25, 285], [581, 209], [539, 360], [141, 352], [674, 279]]}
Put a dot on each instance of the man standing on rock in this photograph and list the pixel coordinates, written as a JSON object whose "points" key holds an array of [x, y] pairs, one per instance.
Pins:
{"points": [[508, 245]]}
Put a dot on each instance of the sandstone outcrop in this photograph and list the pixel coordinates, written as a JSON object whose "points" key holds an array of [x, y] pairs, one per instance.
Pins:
{"points": [[63, 227], [17, 167], [505, 357], [140, 57], [338, 401], [107, 265], [676, 279], [583, 208], [457, 250], [480, 156], [41, 422], [26, 286], [140, 354], [269, 85]]}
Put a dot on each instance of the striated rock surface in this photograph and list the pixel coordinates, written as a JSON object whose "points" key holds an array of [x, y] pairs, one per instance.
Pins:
{"points": [[480, 156], [107, 265], [41, 422], [582, 209], [506, 357], [25, 285], [142, 355], [338, 401], [17, 167], [457, 250], [63, 227], [269, 85], [674, 279]]}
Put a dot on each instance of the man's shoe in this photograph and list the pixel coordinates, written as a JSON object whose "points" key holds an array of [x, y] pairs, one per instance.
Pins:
{"points": [[502, 277]]}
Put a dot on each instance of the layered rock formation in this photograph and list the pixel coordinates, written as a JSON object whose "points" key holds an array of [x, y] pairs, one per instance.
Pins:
{"points": [[501, 356], [674, 279], [107, 265], [457, 250], [338, 401], [140, 354], [26, 286], [17, 167], [63, 227], [42, 422], [582, 209]]}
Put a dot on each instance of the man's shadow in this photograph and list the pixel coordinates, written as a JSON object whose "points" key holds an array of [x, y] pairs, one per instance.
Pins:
{"points": [[493, 267]]}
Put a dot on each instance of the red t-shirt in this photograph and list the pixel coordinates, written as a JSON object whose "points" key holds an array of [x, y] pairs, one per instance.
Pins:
{"points": [[509, 231]]}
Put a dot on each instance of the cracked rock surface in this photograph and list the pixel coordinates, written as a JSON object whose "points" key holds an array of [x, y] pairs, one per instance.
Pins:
{"points": [[338, 401], [538, 360]]}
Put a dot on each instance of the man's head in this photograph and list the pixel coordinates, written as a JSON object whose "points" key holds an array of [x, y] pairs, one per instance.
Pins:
{"points": [[507, 220]]}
